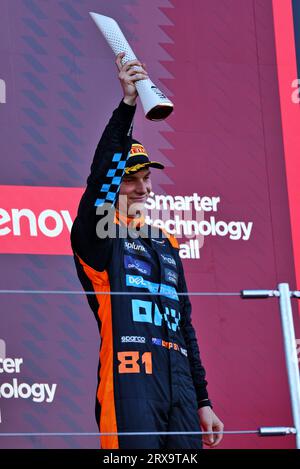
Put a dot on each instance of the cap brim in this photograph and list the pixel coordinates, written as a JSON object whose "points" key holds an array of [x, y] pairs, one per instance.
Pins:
{"points": [[155, 164], [138, 167]]}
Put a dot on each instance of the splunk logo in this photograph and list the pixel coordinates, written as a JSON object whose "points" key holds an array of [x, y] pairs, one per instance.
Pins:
{"points": [[136, 248], [37, 220], [2, 91]]}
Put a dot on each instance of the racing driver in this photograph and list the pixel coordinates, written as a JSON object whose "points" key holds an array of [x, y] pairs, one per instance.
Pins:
{"points": [[150, 375]]}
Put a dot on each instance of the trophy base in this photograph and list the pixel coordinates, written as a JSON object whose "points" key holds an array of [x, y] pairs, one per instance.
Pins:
{"points": [[160, 112]]}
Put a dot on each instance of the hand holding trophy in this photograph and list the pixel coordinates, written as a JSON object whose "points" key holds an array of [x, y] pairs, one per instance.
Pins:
{"points": [[155, 104]]}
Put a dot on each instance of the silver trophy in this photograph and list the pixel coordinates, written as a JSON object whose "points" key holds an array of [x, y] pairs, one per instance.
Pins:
{"points": [[156, 105]]}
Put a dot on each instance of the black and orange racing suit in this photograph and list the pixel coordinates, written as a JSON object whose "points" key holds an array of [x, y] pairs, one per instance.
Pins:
{"points": [[150, 374]]}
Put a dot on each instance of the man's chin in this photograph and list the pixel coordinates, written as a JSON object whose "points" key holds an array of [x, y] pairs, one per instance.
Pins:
{"points": [[136, 207]]}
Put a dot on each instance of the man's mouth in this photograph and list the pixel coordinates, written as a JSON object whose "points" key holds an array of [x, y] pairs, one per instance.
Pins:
{"points": [[139, 199]]}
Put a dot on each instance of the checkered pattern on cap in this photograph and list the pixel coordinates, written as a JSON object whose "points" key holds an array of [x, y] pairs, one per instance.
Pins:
{"points": [[112, 181]]}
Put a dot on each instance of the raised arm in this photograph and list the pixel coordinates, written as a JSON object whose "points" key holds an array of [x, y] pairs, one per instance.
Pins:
{"points": [[107, 169]]}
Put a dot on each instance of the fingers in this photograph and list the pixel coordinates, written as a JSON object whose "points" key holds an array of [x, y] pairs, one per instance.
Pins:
{"points": [[137, 78], [132, 64], [210, 423], [219, 427], [136, 75], [208, 439], [119, 60], [212, 439], [128, 65], [130, 73], [215, 437], [133, 71], [132, 80]]}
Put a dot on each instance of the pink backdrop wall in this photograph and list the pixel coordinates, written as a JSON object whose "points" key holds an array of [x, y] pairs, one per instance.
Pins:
{"points": [[217, 61]]}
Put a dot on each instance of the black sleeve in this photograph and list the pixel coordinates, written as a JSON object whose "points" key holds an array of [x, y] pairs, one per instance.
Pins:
{"points": [[188, 331], [102, 189]]}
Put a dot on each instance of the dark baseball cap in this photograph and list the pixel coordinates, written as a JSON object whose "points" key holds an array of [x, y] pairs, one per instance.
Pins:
{"points": [[138, 159]]}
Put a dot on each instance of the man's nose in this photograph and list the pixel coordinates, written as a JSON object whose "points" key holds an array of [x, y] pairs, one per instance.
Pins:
{"points": [[141, 187]]}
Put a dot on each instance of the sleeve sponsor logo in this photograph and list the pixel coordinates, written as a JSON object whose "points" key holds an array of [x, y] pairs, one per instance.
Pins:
{"points": [[171, 276], [169, 292], [137, 264], [169, 260], [139, 282]]}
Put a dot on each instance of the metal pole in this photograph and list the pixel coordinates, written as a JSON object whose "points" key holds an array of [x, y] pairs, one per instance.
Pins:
{"points": [[291, 358]]}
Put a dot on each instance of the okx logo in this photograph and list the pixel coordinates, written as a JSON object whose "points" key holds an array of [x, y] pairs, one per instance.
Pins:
{"points": [[149, 312]]}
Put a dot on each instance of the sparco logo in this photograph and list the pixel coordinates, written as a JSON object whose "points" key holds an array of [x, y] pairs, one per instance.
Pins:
{"points": [[133, 338]]}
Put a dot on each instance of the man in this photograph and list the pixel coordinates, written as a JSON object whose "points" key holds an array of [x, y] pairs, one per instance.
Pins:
{"points": [[150, 376]]}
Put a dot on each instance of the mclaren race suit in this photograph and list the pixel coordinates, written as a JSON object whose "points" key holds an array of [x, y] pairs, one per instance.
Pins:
{"points": [[150, 376]]}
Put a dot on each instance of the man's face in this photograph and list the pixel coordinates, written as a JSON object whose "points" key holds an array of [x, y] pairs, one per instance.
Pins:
{"points": [[136, 187]]}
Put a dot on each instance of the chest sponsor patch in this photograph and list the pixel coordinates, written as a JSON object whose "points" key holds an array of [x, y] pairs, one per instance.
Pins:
{"points": [[149, 312], [158, 241], [171, 276], [139, 282], [136, 264], [168, 260], [133, 338], [169, 345], [133, 247]]}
